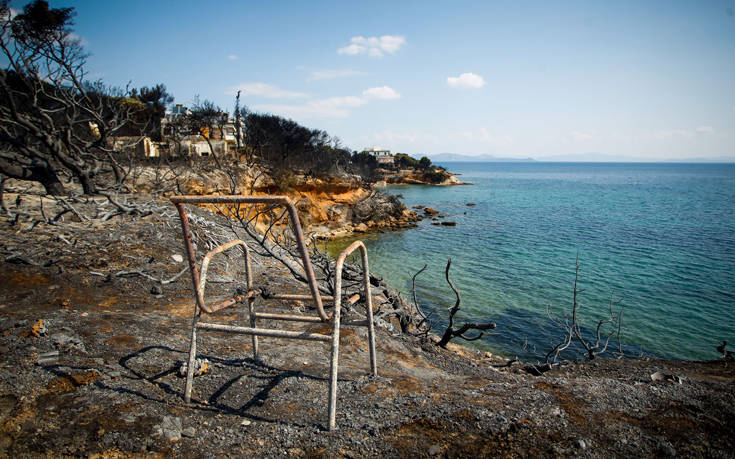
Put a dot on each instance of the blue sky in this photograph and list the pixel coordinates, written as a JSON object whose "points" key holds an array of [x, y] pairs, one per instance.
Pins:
{"points": [[633, 80]]}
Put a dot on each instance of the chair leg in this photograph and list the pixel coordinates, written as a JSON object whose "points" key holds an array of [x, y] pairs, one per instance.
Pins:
{"points": [[371, 344], [251, 310], [192, 358], [334, 366]]}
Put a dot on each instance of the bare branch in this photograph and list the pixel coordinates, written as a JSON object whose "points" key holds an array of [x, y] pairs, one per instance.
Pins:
{"points": [[450, 332]]}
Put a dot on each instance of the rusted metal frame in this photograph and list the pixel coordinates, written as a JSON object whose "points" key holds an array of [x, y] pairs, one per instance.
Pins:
{"points": [[298, 232], [264, 332], [335, 318], [368, 296], [288, 317], [190, 255], [196, 281], [336, 324], [306, 319], [232, 301], [300, 318], [251, 303], [294, 297], [249, 278], [205, 267]]}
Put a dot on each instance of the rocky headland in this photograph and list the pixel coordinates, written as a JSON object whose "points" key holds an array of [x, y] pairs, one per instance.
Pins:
{"points": [[329, 206]]}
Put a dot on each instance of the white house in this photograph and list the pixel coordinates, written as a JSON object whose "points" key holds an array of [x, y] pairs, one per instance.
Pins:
{"points": [[381, 155]]}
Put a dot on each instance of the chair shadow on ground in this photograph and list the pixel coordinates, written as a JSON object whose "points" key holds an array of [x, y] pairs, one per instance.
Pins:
{"points": [[271, 376]]}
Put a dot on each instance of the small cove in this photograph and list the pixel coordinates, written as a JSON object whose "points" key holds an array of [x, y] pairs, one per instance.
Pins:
{"points": [[659, 237]]}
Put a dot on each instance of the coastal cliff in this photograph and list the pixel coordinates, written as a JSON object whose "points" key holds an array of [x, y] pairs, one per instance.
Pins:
{"points": [[329, 206]]}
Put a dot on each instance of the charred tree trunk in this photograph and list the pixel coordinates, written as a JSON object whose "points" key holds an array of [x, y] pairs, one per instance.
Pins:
{"points": [[52, 184], [88, 185], [34, 170]]}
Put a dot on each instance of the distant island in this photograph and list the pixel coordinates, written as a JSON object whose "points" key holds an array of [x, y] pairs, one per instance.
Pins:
{"points": [[453, 157], [590, 157]]}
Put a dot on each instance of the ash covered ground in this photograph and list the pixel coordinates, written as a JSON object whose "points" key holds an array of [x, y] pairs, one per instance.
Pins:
{"points": [[90, 365]]}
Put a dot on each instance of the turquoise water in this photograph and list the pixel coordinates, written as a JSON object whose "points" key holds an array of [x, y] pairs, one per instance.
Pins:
{"points": [[660, 237]]}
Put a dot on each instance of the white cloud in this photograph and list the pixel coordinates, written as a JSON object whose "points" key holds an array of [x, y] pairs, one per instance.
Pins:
{"points": [[265, 90], [466, 80], [381, 92], [344, 101], [73, 37], [330, 74], [373, 46], [329, 107], [706, 130], [332, 107], [233, 57]]}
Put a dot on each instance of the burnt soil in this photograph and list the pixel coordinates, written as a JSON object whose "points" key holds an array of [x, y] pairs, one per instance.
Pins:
{"points": [[114, 388]]}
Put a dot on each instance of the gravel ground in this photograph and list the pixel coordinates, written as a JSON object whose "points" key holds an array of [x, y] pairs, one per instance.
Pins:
{"points": [[100, 375]]}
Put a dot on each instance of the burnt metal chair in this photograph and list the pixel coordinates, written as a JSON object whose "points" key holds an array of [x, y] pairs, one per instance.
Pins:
{"points": [[199, 281]]}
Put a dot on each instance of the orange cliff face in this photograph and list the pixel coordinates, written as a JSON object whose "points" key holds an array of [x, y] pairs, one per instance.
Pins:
{"points": [[325, 205]]}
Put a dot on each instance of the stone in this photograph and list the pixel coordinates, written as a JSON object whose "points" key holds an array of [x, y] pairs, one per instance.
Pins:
{"points": [[201, 366], [189, 432], [435, 450], [65, 341], [156, 290], [580, 443], [449, 223], [48, 358], [177, 258], [38, 329], [170, 428], [660, 377], [430, 211], [245, 423]]}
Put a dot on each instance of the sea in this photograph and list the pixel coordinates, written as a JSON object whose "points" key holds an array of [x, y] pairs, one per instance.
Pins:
{"points": [[655, 240]]}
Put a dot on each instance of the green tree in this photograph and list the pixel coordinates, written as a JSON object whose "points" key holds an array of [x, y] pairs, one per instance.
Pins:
{"points": [[424, 163]]}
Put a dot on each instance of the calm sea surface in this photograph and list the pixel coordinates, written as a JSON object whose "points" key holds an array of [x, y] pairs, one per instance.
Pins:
{"points": [[659, 237]]}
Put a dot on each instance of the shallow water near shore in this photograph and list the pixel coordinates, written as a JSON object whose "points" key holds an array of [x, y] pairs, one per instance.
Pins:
{"points": [[659, 237]]}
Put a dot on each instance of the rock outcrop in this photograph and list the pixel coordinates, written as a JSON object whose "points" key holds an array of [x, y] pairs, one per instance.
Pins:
{"points": [[328, 206]]}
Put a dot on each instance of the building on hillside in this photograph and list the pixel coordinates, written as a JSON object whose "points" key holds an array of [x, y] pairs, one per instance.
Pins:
{"points": [[381, 155], [183, 141], [142, 146], [180, 138]]}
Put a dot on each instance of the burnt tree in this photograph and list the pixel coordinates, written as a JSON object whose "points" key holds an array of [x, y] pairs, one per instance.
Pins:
{"points": [[51, 119]]}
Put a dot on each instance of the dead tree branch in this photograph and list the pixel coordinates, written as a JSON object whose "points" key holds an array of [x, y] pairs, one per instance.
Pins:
{"points": [[139, 273], [450, 332], [605, 329]]}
